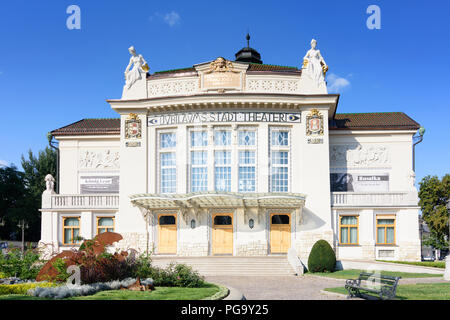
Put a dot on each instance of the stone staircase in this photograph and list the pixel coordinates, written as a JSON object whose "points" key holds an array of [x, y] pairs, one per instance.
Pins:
{"points": [[232, 266]]}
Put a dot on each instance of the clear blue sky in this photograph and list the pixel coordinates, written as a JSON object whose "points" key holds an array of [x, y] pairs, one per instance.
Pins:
{"points": [[51, 76]]}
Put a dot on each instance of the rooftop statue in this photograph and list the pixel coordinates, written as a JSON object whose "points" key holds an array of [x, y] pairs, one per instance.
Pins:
{"points": [[314, 65], [140, 67]]}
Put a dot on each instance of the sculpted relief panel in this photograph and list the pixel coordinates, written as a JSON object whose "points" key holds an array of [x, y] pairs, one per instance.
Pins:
{"points": [[279, 86], [357, 155], [169, 88], [106, 159]]}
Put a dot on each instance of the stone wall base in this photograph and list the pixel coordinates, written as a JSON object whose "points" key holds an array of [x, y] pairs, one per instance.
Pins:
{"points": [[307, 239], [254, 248], [192, 249], [134, 240], [409, 251]]}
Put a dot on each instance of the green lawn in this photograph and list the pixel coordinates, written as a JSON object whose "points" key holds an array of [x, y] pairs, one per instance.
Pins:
{"points": [[420, 291], [161, 293], [434, 264], [354, 273]]}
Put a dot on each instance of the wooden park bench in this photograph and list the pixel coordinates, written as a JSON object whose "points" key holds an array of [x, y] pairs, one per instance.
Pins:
{"points": [[384, 286]]}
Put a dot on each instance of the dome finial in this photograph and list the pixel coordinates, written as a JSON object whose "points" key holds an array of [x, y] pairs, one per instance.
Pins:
{"points": [[248, 40]]}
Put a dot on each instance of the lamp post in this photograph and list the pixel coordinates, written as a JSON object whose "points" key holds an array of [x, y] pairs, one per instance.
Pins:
{"points": [[23, 226], [447, 259]]}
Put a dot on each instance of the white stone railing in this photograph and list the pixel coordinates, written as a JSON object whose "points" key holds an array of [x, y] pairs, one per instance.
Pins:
{"points": [[373, 199], [83, 201]]}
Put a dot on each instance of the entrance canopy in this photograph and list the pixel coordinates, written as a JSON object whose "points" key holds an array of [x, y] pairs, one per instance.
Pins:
{"points": [[205, 200]]}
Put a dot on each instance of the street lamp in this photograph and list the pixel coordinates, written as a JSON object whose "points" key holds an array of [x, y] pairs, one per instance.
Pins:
{"points": [[447, 259], [23, 226], [416, 140]]}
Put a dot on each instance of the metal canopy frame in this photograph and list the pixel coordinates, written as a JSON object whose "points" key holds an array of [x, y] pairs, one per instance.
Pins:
{"points": [[206, 200]]}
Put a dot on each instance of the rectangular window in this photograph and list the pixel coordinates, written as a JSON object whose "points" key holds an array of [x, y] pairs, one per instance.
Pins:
{"points": [[247, 159], [385, 230], [247, 171], [71, 230], [199, 171], [279, 160], [222, 170], [222, 137], [348, 229], [199, 161], [105, 224], [167, 162]]}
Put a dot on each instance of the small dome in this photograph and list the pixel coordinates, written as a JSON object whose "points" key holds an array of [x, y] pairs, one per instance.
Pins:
{"points": [[248, 54]]}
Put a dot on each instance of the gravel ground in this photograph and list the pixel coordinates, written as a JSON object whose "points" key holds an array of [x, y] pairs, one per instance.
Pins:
{"points": [[306, 287]]}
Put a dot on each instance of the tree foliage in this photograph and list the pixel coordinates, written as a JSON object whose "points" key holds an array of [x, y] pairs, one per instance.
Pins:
{"points": [[434, 194], [35, 169]]}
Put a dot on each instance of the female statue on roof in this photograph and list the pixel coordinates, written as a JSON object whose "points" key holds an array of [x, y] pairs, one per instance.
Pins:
{"points": [[314, 65], [139, 67]]}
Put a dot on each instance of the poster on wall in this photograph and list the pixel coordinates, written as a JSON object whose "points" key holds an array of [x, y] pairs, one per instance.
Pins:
{"points": [[99, 184], [359, 182]]}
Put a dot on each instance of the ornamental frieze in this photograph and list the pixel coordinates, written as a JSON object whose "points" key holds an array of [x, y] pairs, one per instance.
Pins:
{"points": [[106, 159], [357, 155]]}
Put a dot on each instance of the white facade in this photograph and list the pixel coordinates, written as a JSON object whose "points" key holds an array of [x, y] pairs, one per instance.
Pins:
{"points": [[283, 168]]}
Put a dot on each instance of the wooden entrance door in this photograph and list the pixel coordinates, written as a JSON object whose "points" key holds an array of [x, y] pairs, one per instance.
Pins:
{"points": [[222, 235], [280, 232], [167, 227]]}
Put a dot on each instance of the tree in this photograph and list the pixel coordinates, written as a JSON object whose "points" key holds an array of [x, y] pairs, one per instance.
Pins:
{"points": [[434, 194], [14, 203], [35, 170]]}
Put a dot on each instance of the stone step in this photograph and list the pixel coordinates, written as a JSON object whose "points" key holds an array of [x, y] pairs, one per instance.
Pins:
{"points": [[236, 266]]}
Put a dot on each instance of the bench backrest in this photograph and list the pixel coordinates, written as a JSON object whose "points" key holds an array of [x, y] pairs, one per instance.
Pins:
{"points": [[380, 278]]}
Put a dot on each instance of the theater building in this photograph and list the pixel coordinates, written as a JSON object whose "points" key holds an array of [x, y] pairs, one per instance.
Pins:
{"points": [[236, 157]]}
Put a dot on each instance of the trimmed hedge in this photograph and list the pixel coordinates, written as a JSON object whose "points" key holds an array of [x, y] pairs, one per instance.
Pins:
{"points": [[22, 288], [322, 257]]}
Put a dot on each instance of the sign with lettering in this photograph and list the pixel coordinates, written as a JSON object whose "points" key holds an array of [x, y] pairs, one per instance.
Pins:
{"points": [[359, 182], [204, 117], [99, 184]]}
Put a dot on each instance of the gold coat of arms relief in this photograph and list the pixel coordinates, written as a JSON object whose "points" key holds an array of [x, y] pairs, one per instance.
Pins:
{"points": [[314, 123], [133, 127]]}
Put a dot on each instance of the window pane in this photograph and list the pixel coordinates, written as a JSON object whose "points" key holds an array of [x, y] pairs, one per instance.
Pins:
{"points": [[70, 222], [353, 235], [68, 235], [166, 220], [346, 220], [199, 138], [280, 138], [279, 179], [168, 140], [76, 234], [390, 235], [199, 157], [168, 180], [247, 157], [222, 220], [280, 219], [222, 138], [247, 138], [222, 157], [105, 222], [223, 179], [246, 179], [199, 179], [279, 157], [380, 235], [168, 159], [385, 221], [344, 235]]}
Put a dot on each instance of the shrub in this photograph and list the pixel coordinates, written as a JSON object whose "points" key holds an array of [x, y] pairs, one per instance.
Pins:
{"points": [[322, 257], [23, 288], [176, 275], [12, 264]]}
